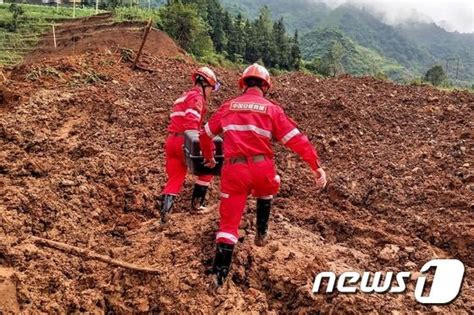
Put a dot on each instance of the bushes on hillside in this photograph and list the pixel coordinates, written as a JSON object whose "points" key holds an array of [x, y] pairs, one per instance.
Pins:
{"points": [[183, 23], [435, 75], [16, 12]]}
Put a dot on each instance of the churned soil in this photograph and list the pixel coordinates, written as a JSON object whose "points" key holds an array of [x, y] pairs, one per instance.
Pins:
{"points": [[82, 162]]}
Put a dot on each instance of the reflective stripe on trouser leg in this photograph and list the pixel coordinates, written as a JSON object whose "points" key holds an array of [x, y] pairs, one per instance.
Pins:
{"points": [[204, 180], [231, 210], [200, 190]]}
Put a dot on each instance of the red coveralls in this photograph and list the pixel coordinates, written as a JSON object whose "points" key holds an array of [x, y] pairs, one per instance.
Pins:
{"points": [[187, 114], [249, 123]]}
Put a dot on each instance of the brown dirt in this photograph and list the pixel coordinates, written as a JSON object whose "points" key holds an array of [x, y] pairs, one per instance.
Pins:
{"points": [[81, 161], [8, 299]]}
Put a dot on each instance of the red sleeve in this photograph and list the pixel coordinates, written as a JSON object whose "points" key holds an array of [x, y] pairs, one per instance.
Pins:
{"points": [[286, 131], [211, 129], [193, 112]]}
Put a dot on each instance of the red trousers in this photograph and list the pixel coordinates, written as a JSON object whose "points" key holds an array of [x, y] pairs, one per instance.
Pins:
{"points": [[237, 182], [176, 166]]}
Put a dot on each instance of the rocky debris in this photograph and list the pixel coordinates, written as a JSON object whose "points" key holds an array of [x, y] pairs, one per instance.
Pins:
{"points": [[389, 253]]}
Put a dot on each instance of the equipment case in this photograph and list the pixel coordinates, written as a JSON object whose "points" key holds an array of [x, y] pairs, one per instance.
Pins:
{"points": [[194, 158]]}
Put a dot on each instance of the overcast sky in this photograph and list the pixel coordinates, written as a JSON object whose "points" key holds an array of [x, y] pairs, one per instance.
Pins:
{"points": [[453, 15]]}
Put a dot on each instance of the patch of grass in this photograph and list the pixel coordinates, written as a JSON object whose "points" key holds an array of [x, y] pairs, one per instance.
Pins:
{"points": [[40, 13], [136, 14], [35, 21], [216, 60]]}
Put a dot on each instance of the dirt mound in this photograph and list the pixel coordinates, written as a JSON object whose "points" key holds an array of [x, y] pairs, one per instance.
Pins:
{"points": [[81, 162], [8, 300], [101, 33]]}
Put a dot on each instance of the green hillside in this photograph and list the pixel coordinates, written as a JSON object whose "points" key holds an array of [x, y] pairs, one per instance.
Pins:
{"points": [[368, 31], [408, 50], [357, 60], [443, 45]]}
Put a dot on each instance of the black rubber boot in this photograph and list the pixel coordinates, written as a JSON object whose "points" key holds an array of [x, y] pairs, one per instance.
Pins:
{"points": [[166, 205], [222, 262], [263, 214], [199, 197]]}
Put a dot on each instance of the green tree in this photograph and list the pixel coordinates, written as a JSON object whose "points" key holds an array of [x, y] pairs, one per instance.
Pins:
{"points": [[282, 45], [17, 12], [263, 28], [266, 17], [435, 75], [228, 28], [236, 40], [331, 63], [215, 15], [183, 23], [110, 4], [252, 53], [295, 53], [337, 53]]}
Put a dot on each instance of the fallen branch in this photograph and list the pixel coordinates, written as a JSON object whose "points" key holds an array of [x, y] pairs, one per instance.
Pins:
{"points": [[145, 35], [3, 76], [85, 253]]}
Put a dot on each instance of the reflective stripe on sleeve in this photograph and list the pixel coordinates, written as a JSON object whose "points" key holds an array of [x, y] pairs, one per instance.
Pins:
{"points": [[290, 135], [175, 114], [194, 112], [208, 131]]}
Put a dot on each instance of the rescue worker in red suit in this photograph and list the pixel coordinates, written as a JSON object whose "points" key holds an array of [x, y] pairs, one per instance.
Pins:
{"points": [[249, 123], [187, 114]]}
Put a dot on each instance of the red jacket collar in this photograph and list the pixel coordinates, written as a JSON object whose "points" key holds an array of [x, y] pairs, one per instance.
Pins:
{"points": [[254, 92]]}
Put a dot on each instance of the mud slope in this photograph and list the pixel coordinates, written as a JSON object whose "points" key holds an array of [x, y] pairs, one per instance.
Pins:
{"points": [[102, 33], [81, 162]]}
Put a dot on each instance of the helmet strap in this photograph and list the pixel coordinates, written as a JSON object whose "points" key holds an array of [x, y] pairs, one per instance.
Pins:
{"points": [[203, 87], [203, 90], [201, 81]]}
